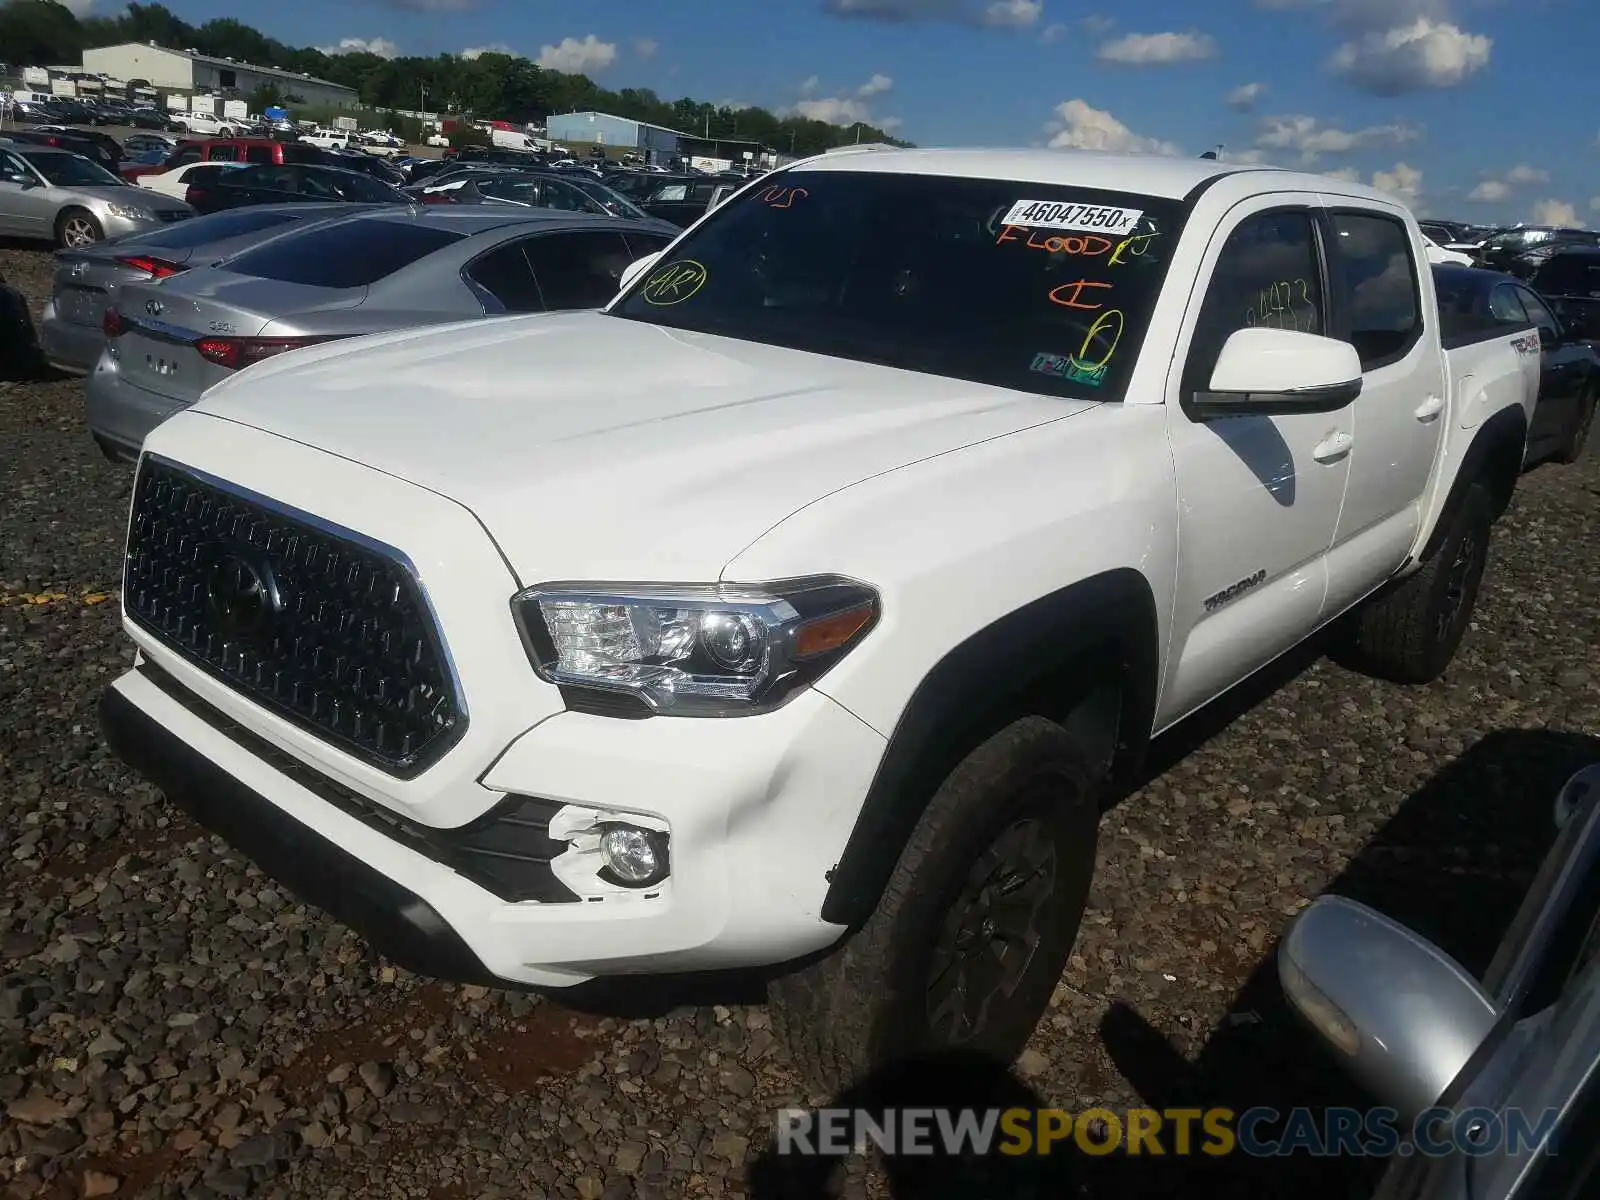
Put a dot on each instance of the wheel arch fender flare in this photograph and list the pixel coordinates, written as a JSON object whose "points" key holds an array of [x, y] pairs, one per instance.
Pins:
{"points": [[1087, 654], [1494, 458]]}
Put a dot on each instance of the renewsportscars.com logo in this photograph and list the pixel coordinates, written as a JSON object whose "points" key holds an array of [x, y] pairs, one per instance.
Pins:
{"points": [[1214, 1132]]}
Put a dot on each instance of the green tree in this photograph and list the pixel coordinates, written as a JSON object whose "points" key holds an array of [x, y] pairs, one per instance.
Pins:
{"points": [[39, 33]]}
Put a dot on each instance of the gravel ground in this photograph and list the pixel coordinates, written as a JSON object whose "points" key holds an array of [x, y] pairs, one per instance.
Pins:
{"points": [[171, 1024]]}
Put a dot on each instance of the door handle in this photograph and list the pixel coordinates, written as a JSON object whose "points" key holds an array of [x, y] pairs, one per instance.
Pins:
{"points": [[1429, 408], [1332, 448]]}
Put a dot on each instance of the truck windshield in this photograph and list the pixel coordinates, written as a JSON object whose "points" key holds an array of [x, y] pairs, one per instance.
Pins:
{"points": [[1045, 289]]}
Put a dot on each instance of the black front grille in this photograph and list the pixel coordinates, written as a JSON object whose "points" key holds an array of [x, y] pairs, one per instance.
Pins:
{"points": [[312, 623]]}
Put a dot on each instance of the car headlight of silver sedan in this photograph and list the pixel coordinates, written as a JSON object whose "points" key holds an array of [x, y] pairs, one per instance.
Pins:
{"points": [[716, 650], [129, 212]]}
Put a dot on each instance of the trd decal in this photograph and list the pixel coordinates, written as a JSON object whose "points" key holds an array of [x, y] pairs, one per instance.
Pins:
{"points": [[1234, 591]]}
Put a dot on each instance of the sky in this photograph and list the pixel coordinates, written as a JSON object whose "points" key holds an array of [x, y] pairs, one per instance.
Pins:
{"points": [[1474, 110]]}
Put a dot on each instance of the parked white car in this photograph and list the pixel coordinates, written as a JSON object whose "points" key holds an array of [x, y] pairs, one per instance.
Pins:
{"points": [[176, 181], [800, 610], [439, 140]]}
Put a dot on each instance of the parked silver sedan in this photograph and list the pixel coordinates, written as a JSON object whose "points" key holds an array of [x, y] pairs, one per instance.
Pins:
{"points": [[88, 278], [1493, 1083], [378, 270], [60, 197]]}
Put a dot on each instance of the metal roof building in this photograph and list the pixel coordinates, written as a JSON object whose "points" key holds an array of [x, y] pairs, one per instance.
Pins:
{"points": [[191, 71], [606, 130]]}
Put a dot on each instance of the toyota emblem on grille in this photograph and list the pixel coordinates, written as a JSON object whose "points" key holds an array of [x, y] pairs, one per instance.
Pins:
{"points": [[153, 307], [242, 594]]}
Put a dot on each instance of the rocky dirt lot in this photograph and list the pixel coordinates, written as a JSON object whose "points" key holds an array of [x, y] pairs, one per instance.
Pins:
{"points": [[171, 1024]]}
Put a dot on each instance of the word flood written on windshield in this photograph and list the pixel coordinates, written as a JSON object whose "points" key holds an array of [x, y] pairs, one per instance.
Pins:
{"points": [[1022, 227]]}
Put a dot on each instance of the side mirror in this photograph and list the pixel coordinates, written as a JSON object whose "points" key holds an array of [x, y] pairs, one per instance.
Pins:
{"points": [[1401, 1014], [637, 268], [1281, 371]]}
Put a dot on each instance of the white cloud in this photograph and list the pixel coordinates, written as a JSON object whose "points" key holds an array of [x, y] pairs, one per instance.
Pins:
{"points": [[472, 52], [1156, 49], [1555, 212], [1312, 139], [1348, 174], [1078, 125], [1244, 97], [645, 48], [382, 47], [1013, 14], [1409, 58], [1053, 33], [575, 57], [1594, 203], [1097, 25], [1495, 188], [1403, 182], [845, 109]]}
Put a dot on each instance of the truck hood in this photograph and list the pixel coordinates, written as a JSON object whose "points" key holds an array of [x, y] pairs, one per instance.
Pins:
{"points": [[595, 447]]}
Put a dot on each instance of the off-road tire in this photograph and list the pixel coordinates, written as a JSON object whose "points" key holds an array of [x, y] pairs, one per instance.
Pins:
{"points": [[1577, 434], [849, 1015], [1410, 634]]}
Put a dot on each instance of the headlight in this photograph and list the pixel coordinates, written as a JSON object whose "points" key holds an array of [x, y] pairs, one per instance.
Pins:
{"points": [[718, 650], [129, 213]]}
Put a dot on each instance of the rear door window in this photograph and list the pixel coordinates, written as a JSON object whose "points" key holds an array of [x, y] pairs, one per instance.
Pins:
{"points": [[1374, 261], [507, 276], [227, 152], [258, 154], [1504, 305], [578, 270], [345, 254], [641, 244]]}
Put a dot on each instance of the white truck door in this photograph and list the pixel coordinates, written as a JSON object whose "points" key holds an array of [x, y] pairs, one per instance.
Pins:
{"points": [[1387, 312], [1258, 496]]}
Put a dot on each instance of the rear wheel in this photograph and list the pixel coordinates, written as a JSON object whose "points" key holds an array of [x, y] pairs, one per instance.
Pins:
{"points": [[1411, 634], [78, 227], [1579, 428], [974, 927]]}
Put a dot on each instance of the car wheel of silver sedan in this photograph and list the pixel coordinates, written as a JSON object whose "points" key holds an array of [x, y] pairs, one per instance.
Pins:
{"points": [[78, 228]]}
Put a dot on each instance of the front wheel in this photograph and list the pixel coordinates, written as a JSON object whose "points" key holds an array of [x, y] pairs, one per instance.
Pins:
{"points": [[974, 927], [76, 228]]}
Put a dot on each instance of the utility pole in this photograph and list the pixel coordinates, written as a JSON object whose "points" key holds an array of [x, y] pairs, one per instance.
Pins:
{"points": [[422, 89]]}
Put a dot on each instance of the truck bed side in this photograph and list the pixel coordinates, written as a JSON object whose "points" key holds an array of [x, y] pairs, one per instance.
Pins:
{"points": [[1492, 377]]}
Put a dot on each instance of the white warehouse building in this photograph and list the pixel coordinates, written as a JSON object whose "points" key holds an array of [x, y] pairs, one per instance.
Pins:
{"points": [[190, 71]]}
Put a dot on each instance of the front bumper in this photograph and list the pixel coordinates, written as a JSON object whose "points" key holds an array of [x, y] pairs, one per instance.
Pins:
{"points": [[755, 827], [404, 926], [116, 227]]}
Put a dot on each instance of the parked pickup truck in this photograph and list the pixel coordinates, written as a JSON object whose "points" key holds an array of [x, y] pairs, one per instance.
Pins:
{"points": [[801, 609]]}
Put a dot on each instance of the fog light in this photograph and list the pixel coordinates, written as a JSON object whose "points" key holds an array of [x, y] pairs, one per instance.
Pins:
{"points": [[634, 857]]}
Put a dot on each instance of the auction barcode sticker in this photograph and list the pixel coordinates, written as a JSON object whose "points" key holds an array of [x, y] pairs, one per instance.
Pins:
{"points": [[1089, 218]]}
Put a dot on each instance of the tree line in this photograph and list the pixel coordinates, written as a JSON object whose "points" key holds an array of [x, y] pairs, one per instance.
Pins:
{"points": [[497, 86]]}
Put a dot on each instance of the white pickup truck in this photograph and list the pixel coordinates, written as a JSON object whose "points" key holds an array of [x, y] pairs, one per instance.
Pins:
{"points": [[331, 139], [800, 610]]}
